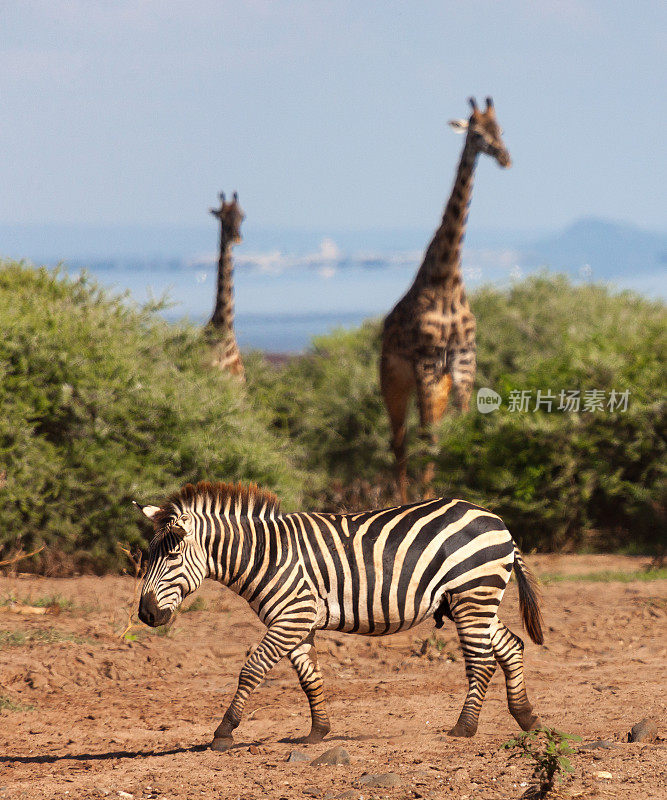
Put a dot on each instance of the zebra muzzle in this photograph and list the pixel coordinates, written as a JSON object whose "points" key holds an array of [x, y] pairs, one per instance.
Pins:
{"points": [[150, 613]]}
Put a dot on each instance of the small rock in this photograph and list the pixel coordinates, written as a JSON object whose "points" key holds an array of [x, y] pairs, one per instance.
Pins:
{"points": [[253, 749], [125, 794], [605, 775], [460, 776], [335, 755], [296, 756], [644, 731], [311, 791], [599, 744], [383, 781]]}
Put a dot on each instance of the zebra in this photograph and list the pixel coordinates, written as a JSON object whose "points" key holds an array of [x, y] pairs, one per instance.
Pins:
{"points": [[373, 573]]}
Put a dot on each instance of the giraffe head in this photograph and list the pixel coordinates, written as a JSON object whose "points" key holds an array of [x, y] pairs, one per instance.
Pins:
{"points": [[231, 216], [484, 133]]}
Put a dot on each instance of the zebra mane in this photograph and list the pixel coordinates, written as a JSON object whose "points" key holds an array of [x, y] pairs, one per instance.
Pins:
{"points": [[205, 495]]}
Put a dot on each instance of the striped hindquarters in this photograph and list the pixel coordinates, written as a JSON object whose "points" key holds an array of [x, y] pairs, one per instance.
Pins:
{"points": [[384, 571]]}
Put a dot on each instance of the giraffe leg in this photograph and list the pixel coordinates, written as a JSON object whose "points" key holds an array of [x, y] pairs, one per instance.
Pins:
{"points": [[462, 364], [397, 384], [304, 661], [508, 650], [280, 639], [472, 615], [432, 396]]}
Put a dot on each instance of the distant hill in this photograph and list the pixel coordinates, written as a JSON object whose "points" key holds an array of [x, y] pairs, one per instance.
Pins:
{"points": [[610, 249]]}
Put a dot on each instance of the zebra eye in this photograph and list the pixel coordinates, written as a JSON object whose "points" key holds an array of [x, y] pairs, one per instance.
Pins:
{"points": [[172, 557]]}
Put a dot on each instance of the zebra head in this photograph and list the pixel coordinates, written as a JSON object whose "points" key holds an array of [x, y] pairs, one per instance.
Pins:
{"points": [[177, 563]]}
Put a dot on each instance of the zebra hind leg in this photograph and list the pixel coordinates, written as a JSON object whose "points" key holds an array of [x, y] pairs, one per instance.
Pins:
{"points": [[508, 650], [304, 661], [472, 617]]}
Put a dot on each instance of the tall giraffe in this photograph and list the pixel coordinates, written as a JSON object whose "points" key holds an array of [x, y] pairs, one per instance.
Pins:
{"points": [[428, 339], [226, 351]]}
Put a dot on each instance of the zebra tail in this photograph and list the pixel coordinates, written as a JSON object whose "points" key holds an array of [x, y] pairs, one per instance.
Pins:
{"points": [[529, 598]]}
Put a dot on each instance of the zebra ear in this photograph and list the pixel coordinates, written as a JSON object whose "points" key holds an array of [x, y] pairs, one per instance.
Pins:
{"points": [[147, 511]]}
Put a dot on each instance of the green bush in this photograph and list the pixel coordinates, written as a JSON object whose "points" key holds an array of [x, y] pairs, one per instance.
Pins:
{"points": [[101, 403], [566, 479], [328, 402]]}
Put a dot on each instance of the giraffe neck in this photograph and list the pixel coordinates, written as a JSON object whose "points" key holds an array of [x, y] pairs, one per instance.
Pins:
{"points": [[223, 313], [442, 262]]}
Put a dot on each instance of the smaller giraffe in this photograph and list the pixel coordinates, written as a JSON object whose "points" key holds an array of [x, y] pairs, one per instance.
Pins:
{"points": [[226, 352], [428, 339]]}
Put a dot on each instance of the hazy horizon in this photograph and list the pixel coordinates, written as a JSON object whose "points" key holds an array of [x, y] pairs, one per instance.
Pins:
{"points": [[78, 241]]}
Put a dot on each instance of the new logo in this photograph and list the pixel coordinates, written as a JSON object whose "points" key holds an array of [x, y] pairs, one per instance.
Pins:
{"points": [[488, 401]]}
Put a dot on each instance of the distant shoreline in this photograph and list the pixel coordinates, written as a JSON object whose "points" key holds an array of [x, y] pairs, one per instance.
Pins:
{"points": [[282, 311]]}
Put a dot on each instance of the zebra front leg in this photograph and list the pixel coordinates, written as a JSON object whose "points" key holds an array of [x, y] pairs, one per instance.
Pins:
{"points": [[304, 661], [474, 629], [508, 650], [278, 641]]}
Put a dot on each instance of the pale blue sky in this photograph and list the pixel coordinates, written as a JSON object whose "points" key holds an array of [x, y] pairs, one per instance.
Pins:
{"points": [[329, 114]]}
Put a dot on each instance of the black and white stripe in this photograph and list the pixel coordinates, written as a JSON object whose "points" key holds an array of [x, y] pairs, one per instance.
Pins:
{"points": [[373, 573]]}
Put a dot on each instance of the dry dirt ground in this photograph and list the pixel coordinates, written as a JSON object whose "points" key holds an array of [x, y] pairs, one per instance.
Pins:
{"points": [[86, 713]]}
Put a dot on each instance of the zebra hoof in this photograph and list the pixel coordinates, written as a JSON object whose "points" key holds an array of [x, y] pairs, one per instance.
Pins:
{"points": [[462, 730], [529, 722], [313, 737], [222, 743]]}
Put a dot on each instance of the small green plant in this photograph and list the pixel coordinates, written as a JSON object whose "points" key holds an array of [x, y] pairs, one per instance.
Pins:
{"points": [[198, 604], [38, 636], [434, 642], [139, 632], [548, 749], [6, 704], [51, 601]]}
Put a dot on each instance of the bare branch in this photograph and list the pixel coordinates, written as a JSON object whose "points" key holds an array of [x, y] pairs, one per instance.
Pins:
{"points": [[21, 556]]}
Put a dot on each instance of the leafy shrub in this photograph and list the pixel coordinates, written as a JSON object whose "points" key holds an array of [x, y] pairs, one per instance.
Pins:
{"points": [[549, 751], [328, 401], [566, 479], [101, 403]]}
